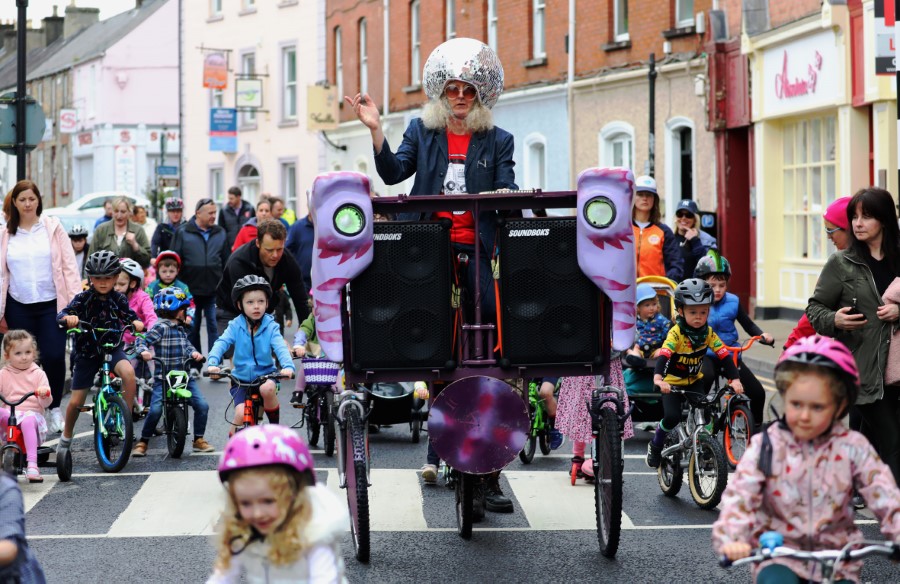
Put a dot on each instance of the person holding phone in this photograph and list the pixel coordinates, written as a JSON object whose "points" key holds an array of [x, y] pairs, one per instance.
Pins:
{"points": [[847, 305]]}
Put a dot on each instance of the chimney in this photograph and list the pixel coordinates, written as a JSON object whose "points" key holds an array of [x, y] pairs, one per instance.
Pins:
{"points": [[9, 40], [34, 37], [78, 19], [53, 27]]}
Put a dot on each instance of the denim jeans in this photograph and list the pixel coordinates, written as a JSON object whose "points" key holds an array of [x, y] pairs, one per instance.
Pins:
{"points": [[198, 403], [205, 308]]}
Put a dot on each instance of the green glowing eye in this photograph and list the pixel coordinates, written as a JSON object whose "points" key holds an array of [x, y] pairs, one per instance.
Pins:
{"points": [[349, 220], [600, 212]]}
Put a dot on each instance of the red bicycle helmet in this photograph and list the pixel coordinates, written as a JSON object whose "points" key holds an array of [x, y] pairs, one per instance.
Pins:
{"points": [[170, 255]]}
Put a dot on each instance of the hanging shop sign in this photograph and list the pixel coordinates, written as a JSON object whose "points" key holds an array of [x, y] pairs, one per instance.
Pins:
{"points": [[248, 94], [215, 71], [321, 108]]}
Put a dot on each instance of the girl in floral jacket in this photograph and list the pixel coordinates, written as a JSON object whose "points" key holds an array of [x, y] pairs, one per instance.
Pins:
{"points": [[798, 476]]}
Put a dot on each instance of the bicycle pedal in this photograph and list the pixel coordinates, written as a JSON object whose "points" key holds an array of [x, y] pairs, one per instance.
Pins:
{"points": [[299, 406], [89, 408]]}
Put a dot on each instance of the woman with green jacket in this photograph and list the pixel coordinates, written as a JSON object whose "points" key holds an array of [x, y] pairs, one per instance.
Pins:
{"points": [[123, 237], [848, 306]]}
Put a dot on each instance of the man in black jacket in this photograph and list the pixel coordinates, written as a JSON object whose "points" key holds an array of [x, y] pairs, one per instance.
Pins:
{"points": [[263, 257], [204, 249], [234, 214]]}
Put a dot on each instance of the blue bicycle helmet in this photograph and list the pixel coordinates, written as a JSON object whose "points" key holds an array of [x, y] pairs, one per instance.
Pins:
{"points": [[171, 300]]}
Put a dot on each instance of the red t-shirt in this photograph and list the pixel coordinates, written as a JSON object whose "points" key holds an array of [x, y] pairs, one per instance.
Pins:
{"points": [[463, 230]]}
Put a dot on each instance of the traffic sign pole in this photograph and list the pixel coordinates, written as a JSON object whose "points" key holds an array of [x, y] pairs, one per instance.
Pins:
{"points": [[20, 91]]}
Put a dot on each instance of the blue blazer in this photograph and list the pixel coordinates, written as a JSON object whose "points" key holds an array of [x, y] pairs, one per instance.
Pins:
{"points": [[423, 152]]}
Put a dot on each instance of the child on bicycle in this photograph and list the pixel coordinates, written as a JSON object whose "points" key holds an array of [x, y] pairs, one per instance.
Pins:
{"points": [[255, 337], [306, 333], [681, 358], [278, 524], [21, 375], [129, 283], [169, 339], [103, 307], [797, 477], [724, 311]]}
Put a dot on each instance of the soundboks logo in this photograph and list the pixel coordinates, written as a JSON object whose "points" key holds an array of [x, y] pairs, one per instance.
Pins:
{"points": [[388, 236], [529, 232]]}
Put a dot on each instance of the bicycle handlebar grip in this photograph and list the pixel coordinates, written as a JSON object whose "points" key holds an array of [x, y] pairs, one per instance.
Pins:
{"points": [[724, 562], [206, 374]]}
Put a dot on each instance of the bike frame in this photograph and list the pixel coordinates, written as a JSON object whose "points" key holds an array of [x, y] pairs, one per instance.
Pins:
{"points": [[349, 398], [689, 431], [539, 424]]}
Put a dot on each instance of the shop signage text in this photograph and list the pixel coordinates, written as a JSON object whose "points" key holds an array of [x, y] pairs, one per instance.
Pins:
{"points": [[802, 74], [785, 88]]}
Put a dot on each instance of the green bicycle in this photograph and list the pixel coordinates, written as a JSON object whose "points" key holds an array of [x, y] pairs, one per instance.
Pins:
{"points": [[539, 434]]}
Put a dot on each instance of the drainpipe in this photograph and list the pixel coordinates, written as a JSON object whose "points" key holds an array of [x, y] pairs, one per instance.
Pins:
{"points": [[387, 56], [570, 96]]}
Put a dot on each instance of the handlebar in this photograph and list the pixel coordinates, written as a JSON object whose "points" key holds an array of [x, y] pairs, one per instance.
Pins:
{"points": [[20, 402], [735, 351], [85, 327], [186, 363], [885, 548], [252, 384]]}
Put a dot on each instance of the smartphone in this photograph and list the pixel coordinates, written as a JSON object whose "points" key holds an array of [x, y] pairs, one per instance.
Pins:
{"points": [[853, 308]]}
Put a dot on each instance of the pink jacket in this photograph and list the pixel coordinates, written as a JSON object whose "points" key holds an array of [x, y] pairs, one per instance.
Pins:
{"points": [[808, 497], [142, 305], [14, 383], [892, 365], [66, 277]]}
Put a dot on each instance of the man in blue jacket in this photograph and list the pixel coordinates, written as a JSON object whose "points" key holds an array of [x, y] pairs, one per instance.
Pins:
{"points": [[203, 247]]}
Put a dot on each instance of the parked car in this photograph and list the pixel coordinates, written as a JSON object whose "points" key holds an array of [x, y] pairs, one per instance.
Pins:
{"points": [[91, 206]]}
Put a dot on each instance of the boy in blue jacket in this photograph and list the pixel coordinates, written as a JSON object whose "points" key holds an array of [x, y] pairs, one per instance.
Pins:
{"points": [[255, 336]]}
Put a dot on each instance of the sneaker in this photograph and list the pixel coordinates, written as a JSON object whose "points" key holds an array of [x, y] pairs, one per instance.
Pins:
{"points": [[201, 445], [63, 445], [556, 439], [654, 455], [57, 418], [33, 475], [297, 398], [429, 474], [494, 499], [858, 501], [139, 450]]}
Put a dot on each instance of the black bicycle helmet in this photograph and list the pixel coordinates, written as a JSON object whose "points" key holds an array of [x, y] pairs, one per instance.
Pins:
{"points": [[78, 230], [248, 283], [693, 292], [712, 263], [102, 263]]}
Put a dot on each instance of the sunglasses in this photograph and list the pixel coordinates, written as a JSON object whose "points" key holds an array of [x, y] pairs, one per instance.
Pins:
{"points": [[203, 203], [832, 231], [682, 215], [453, 92]]}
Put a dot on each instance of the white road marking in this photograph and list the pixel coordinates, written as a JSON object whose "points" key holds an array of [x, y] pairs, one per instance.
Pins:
{"points": [[32, 493], [395, 500], [55, 441]]}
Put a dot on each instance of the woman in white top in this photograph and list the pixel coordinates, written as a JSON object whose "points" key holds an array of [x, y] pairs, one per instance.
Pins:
{"points": [[122, 236], [38, 278]]}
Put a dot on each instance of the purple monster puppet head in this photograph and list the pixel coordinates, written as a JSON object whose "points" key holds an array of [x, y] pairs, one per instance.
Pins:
{"points": [[342, 216], [605, 243]]}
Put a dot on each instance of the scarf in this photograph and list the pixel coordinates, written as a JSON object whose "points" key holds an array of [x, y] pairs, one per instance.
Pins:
{"points": [[697, 336]]}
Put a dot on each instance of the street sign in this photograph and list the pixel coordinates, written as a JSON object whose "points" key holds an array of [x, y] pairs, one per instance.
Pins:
{"points": [[167, 170], [35, 123], [885, 51]]}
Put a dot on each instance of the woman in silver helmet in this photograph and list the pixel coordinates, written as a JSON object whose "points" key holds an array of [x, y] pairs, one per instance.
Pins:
{"points": [[453, 148]]}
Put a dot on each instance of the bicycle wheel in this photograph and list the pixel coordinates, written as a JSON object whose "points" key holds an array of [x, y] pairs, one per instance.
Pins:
{"points": [[544, 443], [708, 481], [113, 449], [312, 420], [176, 431], [8, 461], [670, 474], [464, 504], [328, 424], [355, 456], [526, 455], [64, 466], [738, 430], [608, 482]]}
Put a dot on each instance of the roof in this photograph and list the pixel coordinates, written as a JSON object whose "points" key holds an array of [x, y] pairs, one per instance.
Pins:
{"points": [[89, 43]]}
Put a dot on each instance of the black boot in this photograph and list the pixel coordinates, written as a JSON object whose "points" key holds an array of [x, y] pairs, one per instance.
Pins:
{"points": [[494, 499]]}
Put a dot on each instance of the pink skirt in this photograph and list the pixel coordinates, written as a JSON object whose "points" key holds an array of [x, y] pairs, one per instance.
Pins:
{"points": [[572, 416]]}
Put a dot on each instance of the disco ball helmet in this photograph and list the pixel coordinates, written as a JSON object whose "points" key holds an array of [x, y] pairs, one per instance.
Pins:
{"points": [[467, 60]]}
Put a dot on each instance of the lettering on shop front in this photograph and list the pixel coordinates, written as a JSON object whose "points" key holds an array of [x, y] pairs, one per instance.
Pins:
{"points": [[785, 88]]}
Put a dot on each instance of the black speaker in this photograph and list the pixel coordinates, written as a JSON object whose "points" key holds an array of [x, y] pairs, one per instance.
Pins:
{"points": [[550, 311], [400, 313]]}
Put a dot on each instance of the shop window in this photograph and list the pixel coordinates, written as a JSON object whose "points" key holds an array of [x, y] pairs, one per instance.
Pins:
{"points": [[492, 24], [809, 175], [338, 63], [620, 19], [415, 42], [538, 34], [617, 145], [535, 162]]}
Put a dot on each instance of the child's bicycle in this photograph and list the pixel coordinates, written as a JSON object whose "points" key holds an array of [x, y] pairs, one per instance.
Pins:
{"points": [[12, 456], [113, 428], [253, 403], [539, 433], [321, 375], [690, 446], [143, 380], [176, 401], [771, 546]]}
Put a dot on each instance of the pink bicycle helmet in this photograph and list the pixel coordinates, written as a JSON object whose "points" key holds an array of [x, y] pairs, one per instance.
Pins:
{"points": [[827, 352], [265, 445]]}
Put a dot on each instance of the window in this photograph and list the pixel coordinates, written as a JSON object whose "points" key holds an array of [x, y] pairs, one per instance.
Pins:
{"points": [[289, 184], [684, 13], [215, 7], [216, 98], [492, 24], [535, 162], [684, 162], [538, 46], [338, 63], [451, 19], [679, 162], [217, 184], [289, 75], [809, 155], [248, 67], [620, 18], [415, 41], [249, 181], [363, 58], [249, 4], [617, 145]]}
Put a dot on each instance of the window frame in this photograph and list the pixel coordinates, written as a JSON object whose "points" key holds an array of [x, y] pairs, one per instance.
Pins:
{"points": [[538, 29], [363, 40], [286, 185], [415, 42], [338, 61], [450, 20], [215, 8], [248, 119], [211, 171], [611, 134], [492, 27], [682, 20], [287, 85], [532, 141], [620, 35]]}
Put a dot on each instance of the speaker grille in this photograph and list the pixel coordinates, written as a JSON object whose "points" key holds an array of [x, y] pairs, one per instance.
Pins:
{"points": [[550, 309], [400, 314]]}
